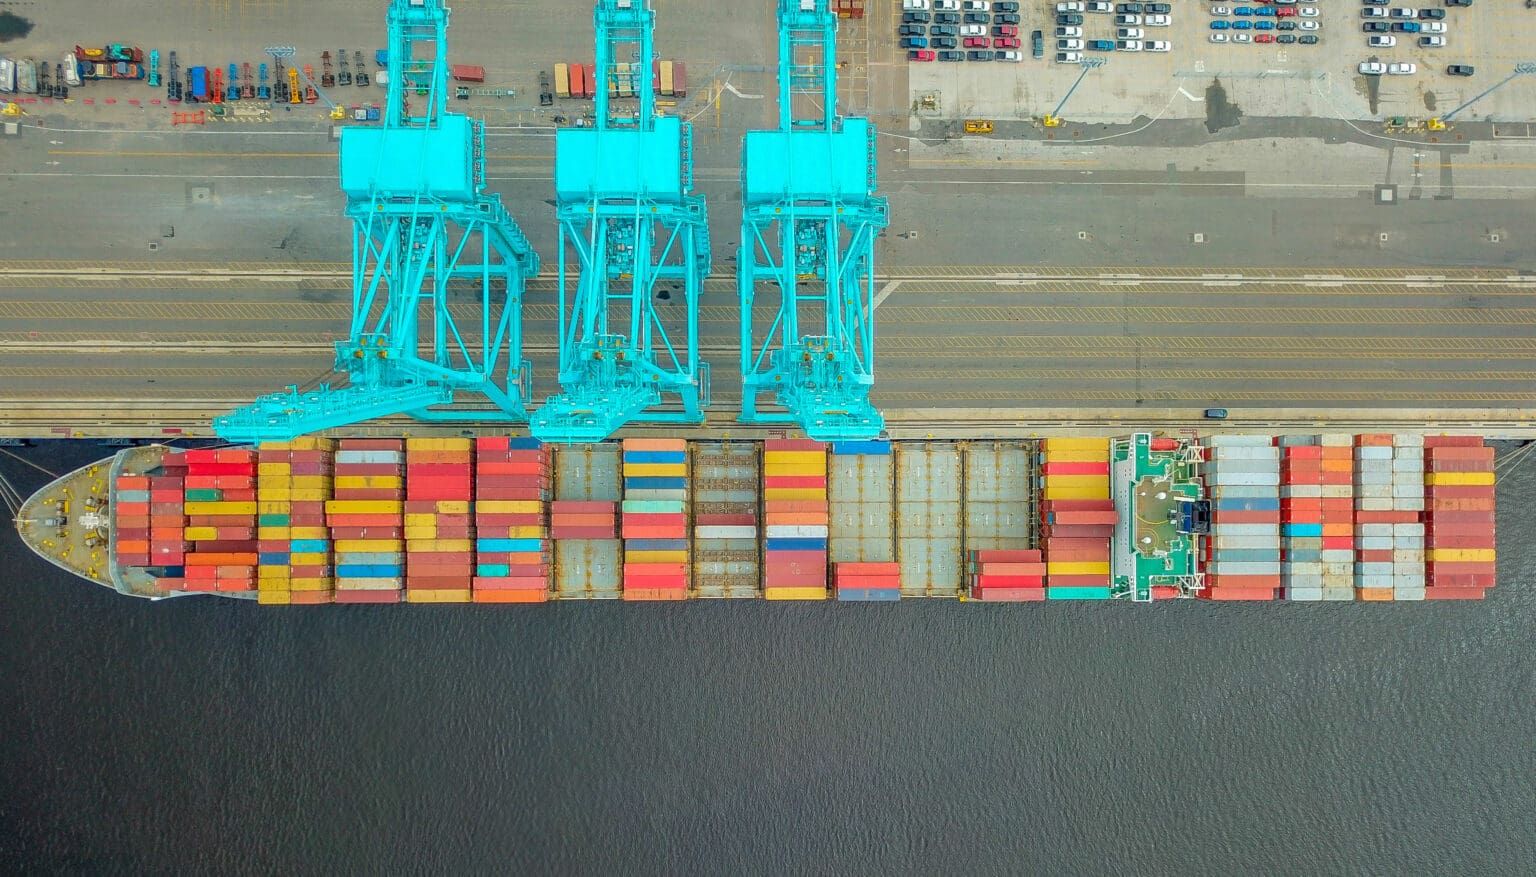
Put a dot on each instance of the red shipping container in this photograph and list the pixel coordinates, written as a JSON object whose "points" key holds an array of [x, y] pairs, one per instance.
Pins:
{"points": [[857, 582], [795, 481], [1363, 516], [437, 583], [197, 586], [373, 532], [492, 442], [343, 595], [1074, 468], [1007, 555], [1454, 593], [525, 468], [1070, 544], [798, 578], [868, 569], [132, 521], [351, 521], [654, 594], [583, 533], [1377, 555], [1244, 581], [511, 583], [1459, 540], [1303, 452], [1078, 581], [133, 482], [309, 598], [132, 534], [991, 581], [313, 571], [1453, 441]]}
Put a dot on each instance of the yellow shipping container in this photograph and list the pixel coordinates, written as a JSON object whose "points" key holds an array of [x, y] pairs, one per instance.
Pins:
{"points": [[283, 495], [200, 534], [272, 507], [656, 557], [378, 482], [274, 571], [1461, 555], [509, 506], [273, 598], [315, 494], [453, 506], [310, 533], [274, 532], [420, 519], [272, 585], [308, 584], [1075, 444], [310, 558], [1077, 568], [1459, 479], [655, 470], [308, 443], [437, 596], [1075, 493], [795, 593], [265, 469], [451, 546], [220, 507], [310, 482], [794, 493], [520, 533], [817, 466], [363, 506], [439, 444], [421, 532], [371, 546]]}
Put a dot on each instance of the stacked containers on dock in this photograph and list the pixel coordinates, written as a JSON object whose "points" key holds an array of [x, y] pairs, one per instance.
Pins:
{"points": [[861, 509], [1389, 499], [589, 563], [514, 479], [1301, 516], [220, 505], [930, 518], [1077, 518], [856, 581], [725, 523], [999, 508], [367, 520], [795, 514], [133, 531], [1244, 550], [293, 481], [654, 519], [1016, 575], [168, 543], [1338, 467], [438, 527], [1459, 530]]}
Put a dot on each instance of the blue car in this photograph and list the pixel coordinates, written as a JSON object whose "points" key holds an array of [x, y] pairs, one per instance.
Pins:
{"points": [[1243, 10], [914, 43], [1218, 24], [1242, 25], [1263, 25], [1264, 10]]}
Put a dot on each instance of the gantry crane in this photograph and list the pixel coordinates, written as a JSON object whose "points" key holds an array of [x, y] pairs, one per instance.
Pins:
{"points": [[422, 223], [640, 242], [810, 217]]}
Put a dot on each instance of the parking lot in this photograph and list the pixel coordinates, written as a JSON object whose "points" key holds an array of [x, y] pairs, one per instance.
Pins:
{"points": [[1262, 78]]}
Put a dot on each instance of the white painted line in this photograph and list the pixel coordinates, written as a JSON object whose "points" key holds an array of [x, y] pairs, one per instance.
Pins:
{"points": [[1222, 283], [1324, 284], [732, 89], [885, 292], [1190, 96]]}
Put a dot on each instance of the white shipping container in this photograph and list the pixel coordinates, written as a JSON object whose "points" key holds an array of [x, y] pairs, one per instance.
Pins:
{"points": [[1304, 595], [1247, 568], [1408, 593], [1372, 478], [1409, 503], [1246, 453], [1373, 581], [1407, 556], [1373, 530], [1336, 566], [738, 532], [1373, 569], [1408, 440], [1374, 504], [1272, 531], [1238, 440], [1408, 581], [795, 531], [1301, 491], [655, 495], [1374, 543], [1374, 491], [1245, 479], [1336, 439], [1338, 594], [1338, 490], [374, 457], [1233, 491], [1373, 452], [1408, 530]]}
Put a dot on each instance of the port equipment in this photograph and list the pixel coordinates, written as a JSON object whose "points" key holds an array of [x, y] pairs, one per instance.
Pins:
{"points": [[422, 223], [337, 111], [810, 217], [154, 68], [232, 90], [1053, 118], [1524, 68], [640, 238]]}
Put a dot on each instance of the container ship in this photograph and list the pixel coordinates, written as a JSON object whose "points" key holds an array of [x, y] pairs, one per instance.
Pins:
{"points": [[500, 519]]}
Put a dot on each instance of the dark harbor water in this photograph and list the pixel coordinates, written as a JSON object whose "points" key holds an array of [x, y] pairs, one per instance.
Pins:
{"points": [[210, 735]]}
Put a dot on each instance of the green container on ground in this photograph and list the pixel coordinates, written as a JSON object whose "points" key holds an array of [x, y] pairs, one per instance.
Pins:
{"points": [[204, 494], [1077, 593], [272, 521]]}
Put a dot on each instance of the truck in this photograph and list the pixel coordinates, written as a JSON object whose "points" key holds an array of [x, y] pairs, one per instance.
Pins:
{"points": [[198, 77], [679, 79], [664, 78], [7, 76], [71, 69], [26, 76], [562, 80]]}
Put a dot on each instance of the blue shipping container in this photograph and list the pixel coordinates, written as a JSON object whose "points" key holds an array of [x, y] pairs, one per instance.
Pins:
{"points": [[867, 594]]}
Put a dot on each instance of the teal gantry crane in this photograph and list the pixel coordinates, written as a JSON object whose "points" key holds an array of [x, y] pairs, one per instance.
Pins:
{"points": [[640, 239], [422, 224], [810, 217]]}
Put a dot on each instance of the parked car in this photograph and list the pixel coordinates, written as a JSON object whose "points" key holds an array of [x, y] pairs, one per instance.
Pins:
{"points": [[1241, 37], [972, 30], [1432, 42], [920, 55], [1005, 42], [1264, 38], [1220, 25], [1072, 6], [976, 42], [1101, 45], [1157, 20], [1285, 11], [977, 18], [1128, 8], [1129, 33], [1221, 10], [951, 56], [1037, 43], [1373, 12], [981, 56], [1242, 25], [1069, 45], [1432, 27], [1402, 12], [1285, 25], [976, 5], [1460, 69], [1100, 6], [1218, 37], [1128, 45], [914, 4], [1432, 14], [1242, 10], [1372, 68], [947, 5], [1405, 26], [1156, 46], [1375, 27], [946, 18], [944, 42], [1264, 11], [1381, 41], [1308, 12], [1127, 19], [1069, 57], [1160, 8], [916, 17], [1062, 32], [912, 30], [1263, 25], [1006, 30], [1006, 18], [944, 30], [1006, 6], [1308, 39], [914, 43], [1069, 18], [1458, 2], [1308, 24], [1010, 56], [1402, 69], [1286, 38]]}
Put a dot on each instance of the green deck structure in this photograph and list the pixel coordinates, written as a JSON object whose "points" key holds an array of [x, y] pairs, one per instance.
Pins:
{"points": [[1156, 494]]}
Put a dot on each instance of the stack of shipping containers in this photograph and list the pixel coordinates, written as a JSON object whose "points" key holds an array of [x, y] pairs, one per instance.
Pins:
{"points": [[725, 533], [1301, 516], [438, 529], [999, 488], [583, 521], [220, 505], [795, 513], [1077, 517], [1244, 561], [1408, 516], [131, 525], [366, 517], [1459, 536], [654, 520], [861, 507], [1389, 497], [929, 518], [1014, 575], [854, 581], [513, 482], [293, 480], [1338, 467]]}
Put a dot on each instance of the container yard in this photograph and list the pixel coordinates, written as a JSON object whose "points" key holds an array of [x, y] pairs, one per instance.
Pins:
{"points": [[497, 519]]}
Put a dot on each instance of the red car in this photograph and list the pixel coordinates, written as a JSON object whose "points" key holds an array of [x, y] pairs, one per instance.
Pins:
{"points": [[975, 42], [1005, 30], [1283, 11], [1005, 42], [1264, 38], [920, 55]]}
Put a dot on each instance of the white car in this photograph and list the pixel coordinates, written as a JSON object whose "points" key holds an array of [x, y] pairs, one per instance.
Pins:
{"points": [[1432, 42], [1128, 19], [947, 5], [977, 5], [1157, 45], [1157, 21], [1069, 57], [1218, 37], [1372, 68], [973, 30], [1009, 56], [1404, 12], [1129, 33], [1221, 10], [1309, 12], [1073, 6], [1308, 25], [1241, 36], [1402, 69], [1100, 6], [1373, 12], [1068, 45], [1431, 27], [1381, 41], [915, 5], [1067, 31], [1128, 45]]}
